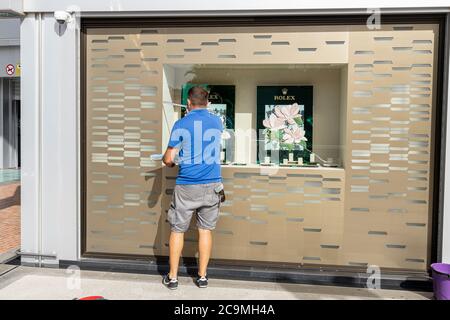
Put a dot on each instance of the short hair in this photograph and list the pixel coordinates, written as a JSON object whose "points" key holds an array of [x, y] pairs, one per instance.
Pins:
{"points": [[198, 96]]}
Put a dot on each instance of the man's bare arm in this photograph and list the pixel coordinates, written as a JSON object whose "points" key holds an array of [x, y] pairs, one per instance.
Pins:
{"points": [[169, 156]]}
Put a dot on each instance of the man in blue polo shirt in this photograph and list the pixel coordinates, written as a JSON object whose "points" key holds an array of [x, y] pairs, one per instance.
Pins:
{"points": [[195, 140]]}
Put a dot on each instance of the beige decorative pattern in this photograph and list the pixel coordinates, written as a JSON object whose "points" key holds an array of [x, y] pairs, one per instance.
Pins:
{"points": [[376, 211], [389, 131], [293, 215]]}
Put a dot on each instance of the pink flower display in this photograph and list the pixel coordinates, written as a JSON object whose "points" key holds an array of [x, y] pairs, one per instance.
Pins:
{"points": [[283, 122], [288, 113], [294, 135], [274, 122]]}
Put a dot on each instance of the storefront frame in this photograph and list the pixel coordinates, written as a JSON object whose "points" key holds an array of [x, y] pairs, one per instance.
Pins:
{"points": [[437, 212]]}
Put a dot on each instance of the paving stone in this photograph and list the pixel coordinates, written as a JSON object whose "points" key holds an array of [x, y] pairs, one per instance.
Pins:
{"points": [[9, 216], [47, 283]]}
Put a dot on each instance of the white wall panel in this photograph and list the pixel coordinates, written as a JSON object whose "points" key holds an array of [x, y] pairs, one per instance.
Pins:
{"points": [[55, 132], [222, 6], [29, 138], [59, 141], [446, 214]]}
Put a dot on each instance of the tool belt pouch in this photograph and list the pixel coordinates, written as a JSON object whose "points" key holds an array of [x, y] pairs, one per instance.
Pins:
{"points": [[221, 195]]}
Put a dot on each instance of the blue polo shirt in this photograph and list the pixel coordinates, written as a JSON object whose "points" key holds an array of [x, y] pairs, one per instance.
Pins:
{"points": [[198, 136]]}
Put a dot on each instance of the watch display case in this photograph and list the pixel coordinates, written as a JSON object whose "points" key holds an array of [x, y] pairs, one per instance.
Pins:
{"points": [[285, 124]]}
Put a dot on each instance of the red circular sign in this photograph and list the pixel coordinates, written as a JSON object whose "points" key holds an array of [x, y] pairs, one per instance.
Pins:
{"points": [[10, 69]]}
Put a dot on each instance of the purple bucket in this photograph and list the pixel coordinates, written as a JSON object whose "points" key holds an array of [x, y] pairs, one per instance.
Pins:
{"points": [[441, 280]]}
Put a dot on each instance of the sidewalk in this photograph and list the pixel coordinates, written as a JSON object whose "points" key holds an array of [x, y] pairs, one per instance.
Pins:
{"points": [[9, 215], [17, 282]]}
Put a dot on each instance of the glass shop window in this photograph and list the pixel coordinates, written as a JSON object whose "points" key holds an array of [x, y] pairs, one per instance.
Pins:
{"points": [[271, 124]]}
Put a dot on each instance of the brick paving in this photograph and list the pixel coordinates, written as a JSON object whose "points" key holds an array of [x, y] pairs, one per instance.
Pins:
{"points": [[9, 216]]}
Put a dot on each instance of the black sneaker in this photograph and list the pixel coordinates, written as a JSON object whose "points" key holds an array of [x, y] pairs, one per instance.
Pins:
{"points": [[202, 282], [172, 284]]}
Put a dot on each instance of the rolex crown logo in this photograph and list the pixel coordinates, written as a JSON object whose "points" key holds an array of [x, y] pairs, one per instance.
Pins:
{"points": [[284, 91]]}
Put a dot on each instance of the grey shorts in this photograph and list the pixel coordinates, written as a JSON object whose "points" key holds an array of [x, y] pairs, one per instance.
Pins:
{"points": [[190, 198]]}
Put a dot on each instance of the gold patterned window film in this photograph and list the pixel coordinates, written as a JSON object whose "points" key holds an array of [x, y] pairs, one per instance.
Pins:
{"points": [[375, 209]]}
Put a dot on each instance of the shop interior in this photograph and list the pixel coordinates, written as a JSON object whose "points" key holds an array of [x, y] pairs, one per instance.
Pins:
{"points": [[323, 141]]}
